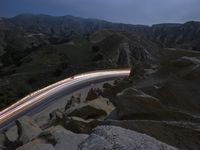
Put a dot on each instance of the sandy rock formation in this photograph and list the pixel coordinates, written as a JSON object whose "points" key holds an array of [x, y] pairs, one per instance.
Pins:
{"points": [[63, 139], [27, 129]]}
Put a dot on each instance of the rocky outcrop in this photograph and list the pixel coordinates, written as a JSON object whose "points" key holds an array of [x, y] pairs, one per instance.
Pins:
{"points": [[116, 138], [75, 99], [63, 139], [132, 103], [174, 133], [83, 116], [57, 114], [27, 129], [79, 125], [92, 94], [107, 86], [133, 111], [94, 109], [24, 132]]}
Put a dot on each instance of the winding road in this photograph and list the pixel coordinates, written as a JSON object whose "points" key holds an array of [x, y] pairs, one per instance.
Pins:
{"points": [[40, 99]]}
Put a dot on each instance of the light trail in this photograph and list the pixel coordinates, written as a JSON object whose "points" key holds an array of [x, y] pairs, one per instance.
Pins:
{"points": [[38, 98]]}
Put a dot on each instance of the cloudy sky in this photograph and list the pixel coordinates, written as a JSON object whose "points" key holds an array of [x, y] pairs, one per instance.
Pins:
{"points": [[126, 11]]}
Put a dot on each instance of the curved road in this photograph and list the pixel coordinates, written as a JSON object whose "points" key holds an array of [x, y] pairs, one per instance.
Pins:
{"points": [[40, 99]]}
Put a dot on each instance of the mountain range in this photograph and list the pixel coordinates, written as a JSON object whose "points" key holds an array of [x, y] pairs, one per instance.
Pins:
{"points": [[36, 50]]}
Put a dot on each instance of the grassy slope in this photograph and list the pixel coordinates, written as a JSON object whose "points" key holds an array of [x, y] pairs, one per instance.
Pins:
{"points": [[46, 65]]}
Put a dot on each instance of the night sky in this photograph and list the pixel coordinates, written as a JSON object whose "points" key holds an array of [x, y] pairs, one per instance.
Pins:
{"points": [[125, 11]]}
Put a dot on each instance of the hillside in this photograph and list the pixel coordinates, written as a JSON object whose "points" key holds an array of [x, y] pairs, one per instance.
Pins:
{"points": [[156, 107], [36, 50]]}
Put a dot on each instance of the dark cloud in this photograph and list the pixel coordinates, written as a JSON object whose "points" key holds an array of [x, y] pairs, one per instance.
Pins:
{"points": [[127, 11]]}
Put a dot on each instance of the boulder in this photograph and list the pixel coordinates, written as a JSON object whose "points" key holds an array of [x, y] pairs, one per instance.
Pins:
{"points": [[56, 114], [111, 137], [117, 87], [132, 103], [12, 134], [96, 109], [27, 129], [64, 139], [93, 94], [79, 125], [75, 99], [56, 117], [183, 135], [36, 145], [107, 86]]}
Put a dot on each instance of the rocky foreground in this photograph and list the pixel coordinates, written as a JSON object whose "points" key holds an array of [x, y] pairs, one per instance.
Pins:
{"points": [[156, 109]]}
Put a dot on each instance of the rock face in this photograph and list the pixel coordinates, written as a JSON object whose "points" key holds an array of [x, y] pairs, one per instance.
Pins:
{"points": [[79, 125], [82, 116], [64, 139], [116, 138], [28, 129], [95, 109], [131, 103]]}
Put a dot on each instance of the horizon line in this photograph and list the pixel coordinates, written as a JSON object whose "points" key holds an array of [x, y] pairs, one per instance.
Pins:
{"points": [[50, 15]]}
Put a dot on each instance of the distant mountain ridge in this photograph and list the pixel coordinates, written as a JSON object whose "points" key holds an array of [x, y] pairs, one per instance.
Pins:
{"points": [[185, 35], [52, 24]]}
